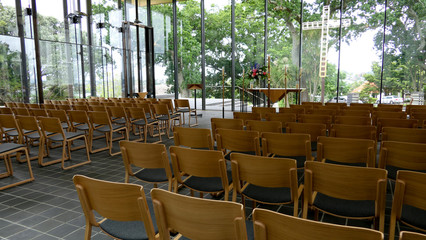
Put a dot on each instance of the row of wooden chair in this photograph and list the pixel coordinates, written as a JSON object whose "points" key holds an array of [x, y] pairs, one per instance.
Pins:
{"points": [[256, 172], [125, 207]]}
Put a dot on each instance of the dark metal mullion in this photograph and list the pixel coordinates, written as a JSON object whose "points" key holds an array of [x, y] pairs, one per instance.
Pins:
{"points": [[383, 51], [203, 57], [300, 49], [233, 55], [175, 52], [90, 43], [340, 45], [149, 13], [37, 52], [83, 78], [24, 76], [138, 54], [125, 66]]}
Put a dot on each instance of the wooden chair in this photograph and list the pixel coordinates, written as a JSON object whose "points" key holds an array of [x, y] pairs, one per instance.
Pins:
{"points": [[270, 225], [345, 191], [63, 107], [182, 106], [413, 135], [10, 129], [396, 156], [389, 107], [216, 123], [392, 122], [7, 149], [353, 131], [138, 119], [21, 111], [150, 159], [196, 218], [353, 120], [347, 151], [123, 207], [81, 108], [313, 129], [37, 112], [409, 201], [99, 108], [205, 171], [104, 125], [264, 126], [48, 106], [33, 106], [169, 103], [380, 114], [265, 180], [167, 120], [263, 111], [31, 132], [6, 110], [246, 116], [79, 121], [199, 138], [297, 111], [241, 141], [322, 111], [284, 118], [355, 113], [420, 116], [294, 146], [63, 117], [118, 116], [310, 118], [415, 108], [20, 105], [53, 132], [405, 235]]}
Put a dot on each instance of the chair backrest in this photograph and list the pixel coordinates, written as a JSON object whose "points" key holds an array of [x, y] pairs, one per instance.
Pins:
{"points": [[99, 118], [282, 117], [322, 119], [21, 111], [246, 116], [28, 123], [81, 107], [404, 235], [109, 104], [6, 110], [356, 113], [161, 109], [78, 116], [227, 123], [414, 108], [353, 120], [263, 111], [313, 129], [420, 116], [386, 114], [181, 103], [293, 110], [193, 137], [238, 140], [98, 108], [389, 107], [353, 131], [146, 107], [322, 111], [393, 122], [61, 114], [345, 182], [114, 201], [136, 113], [117, 112], [145, 155], [8, 121], [126, 104], [413, 135], [307, 107], [347, 150], [20, 105], [270, 225], [197, 218], [37, 112], [10, 104], [32, 105], [361, 105], [403, 155], [51, 124], [285, 144], [168, 102], [63, 107], [264, 126], [48, 106]]}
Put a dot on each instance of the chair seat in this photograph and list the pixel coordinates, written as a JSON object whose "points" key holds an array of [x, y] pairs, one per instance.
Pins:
{"points": [[120, 121], [64, 125], [299, 159], [82, 127], [6, 147], [68, 135], [268, 194], [207, 184], [152, 175], [131, 230], [414, 216], [106, 128], [183, 110], [141, 122], [358, 164], [392, 170], [342, 207]]}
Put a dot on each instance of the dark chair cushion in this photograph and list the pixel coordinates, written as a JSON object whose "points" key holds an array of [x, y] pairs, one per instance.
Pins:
{"points": [[120, 121], [152, 175], [228, 155], [6, 147], [267, 194], [33, 135], [342, 207], [414, 216], [68, 135], [207, 184], [64, 125], [105, 128], [82, 127], [359, 164], [131, 230], [183, 110], [140, 122], [313, 146], [299, 159], [392, 170]]}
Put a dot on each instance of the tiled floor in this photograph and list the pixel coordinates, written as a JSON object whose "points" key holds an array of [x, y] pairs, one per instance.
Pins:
{"points": [[48, 208]]}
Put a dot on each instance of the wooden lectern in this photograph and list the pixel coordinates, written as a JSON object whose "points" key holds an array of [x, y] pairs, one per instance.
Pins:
{"points": [[195, 87]]}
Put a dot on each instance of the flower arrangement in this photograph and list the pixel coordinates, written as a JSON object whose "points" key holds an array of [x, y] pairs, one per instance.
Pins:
{"points": [[257, 72]]}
